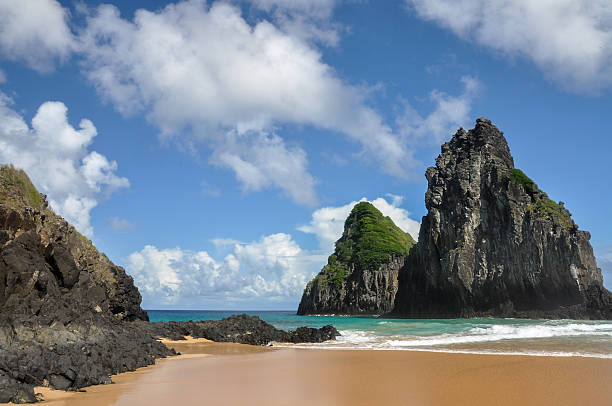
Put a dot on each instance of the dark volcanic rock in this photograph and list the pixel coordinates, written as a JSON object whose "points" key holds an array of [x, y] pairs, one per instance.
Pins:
{"points": [[361, 275], [65, 309], [492, 243], [69, 317], [242, 329]]}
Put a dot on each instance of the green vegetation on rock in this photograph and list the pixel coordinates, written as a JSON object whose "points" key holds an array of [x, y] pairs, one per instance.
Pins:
{"points": [[548, 208], [17, 189], [519, 177], [335, 272], [368, 240], [543, 206]]}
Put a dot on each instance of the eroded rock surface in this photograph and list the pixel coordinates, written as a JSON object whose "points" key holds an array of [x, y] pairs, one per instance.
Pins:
{"points": [[494, 244], [361, 275], [65, 308], [242, 329], [69, 317]]}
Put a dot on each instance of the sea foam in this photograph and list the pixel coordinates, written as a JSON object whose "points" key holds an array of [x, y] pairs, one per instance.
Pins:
{"points": [[561, 338]]}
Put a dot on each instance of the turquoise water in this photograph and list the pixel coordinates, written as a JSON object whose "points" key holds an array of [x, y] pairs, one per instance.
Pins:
{"points": [[484, 335]]}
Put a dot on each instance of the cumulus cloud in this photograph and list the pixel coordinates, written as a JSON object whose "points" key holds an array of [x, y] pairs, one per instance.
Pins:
{"points": [[449, 113], [569, 40], [309, 20], [274, 268], [313, 8], [56, 157], [262, 160], [327, 223], [203, 70], [35, 32]]}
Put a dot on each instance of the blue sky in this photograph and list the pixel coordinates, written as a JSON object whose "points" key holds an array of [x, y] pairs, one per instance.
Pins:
{"points": [[223, 143]]}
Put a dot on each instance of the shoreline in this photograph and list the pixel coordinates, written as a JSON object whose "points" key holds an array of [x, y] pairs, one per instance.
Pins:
{"points": [[227, 373], [448, 351]]}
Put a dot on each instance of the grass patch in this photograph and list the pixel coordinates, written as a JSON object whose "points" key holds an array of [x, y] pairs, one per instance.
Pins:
{"points": [[548, 208], [519, 177], [368, 240], [543, 206], [17, 188], [335, 272]]}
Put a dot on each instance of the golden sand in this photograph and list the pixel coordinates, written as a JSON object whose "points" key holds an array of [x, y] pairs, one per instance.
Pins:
{"points": [[258, 376], [203, 346]]}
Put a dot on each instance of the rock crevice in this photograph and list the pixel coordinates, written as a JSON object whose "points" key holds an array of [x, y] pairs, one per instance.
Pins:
{"points": [[69, 317], [494, 244]]}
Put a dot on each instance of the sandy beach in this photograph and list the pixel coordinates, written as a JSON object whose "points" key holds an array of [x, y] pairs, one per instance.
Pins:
{"points": [[235, 374]]}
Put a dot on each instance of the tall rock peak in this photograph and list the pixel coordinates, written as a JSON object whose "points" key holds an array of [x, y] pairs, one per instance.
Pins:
{"points": [[361, 275], [493, 243]]}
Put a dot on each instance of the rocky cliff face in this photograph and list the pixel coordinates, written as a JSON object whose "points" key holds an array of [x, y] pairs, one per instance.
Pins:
{"points": [[34, 237], [492, 243], [65, 309], [361, 275], [69, 317]]}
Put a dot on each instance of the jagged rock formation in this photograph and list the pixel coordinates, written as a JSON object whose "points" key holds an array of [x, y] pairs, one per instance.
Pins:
{"points": [[69, 317], [242, 329], [494, 244], [65, 308], [361, 275]]}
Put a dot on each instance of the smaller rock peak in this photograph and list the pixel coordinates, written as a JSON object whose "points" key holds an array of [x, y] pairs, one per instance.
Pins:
{"points": [[483, 120]]}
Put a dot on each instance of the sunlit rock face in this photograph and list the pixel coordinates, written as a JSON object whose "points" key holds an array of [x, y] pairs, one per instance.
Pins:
{"points": [[361, 275], [494, 244], [67, 314]]}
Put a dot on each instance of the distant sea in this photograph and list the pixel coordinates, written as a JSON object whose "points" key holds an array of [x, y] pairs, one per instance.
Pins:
{"points": [[482, 336]]}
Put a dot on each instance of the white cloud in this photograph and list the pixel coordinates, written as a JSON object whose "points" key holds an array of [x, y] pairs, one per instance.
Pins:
{"points": [[327, 223], [309, 20], [56, 157], [205, 71], [272, 269], [569, 40], [119, 224], [449, 113], [263, 160], [314, 8], [210, 190], [36, 32]]}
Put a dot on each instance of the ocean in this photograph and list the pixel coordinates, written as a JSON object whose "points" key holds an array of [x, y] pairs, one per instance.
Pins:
{"points": [[581, 338]]}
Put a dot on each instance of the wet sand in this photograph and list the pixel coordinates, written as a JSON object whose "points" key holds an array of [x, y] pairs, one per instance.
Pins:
{"points": [[260, 376]]}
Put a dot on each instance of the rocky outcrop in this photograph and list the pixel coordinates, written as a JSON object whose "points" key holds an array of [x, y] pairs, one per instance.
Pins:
{"points": [[242, 329], [494, 244], [34, 237], [361, 275], [65, 309], [69, 317]]}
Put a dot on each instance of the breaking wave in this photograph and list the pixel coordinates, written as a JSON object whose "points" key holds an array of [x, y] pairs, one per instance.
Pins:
{"points": [[546, 338]]}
